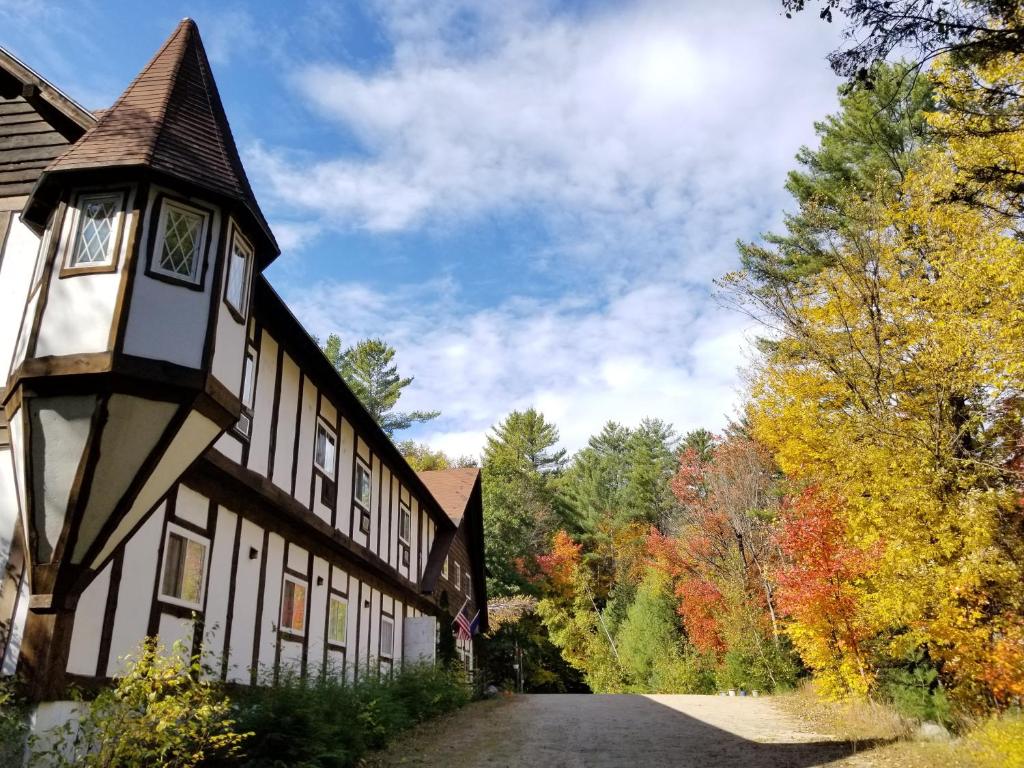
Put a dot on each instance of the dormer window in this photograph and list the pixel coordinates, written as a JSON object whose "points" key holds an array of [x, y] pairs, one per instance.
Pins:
{"points": [[97, 233], [236, 289], [180, 243]]}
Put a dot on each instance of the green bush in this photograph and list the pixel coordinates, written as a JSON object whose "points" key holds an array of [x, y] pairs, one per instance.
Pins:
{"points": [[684, 672], [915, 691], [13, 723], [328, 722], [161, 712]]}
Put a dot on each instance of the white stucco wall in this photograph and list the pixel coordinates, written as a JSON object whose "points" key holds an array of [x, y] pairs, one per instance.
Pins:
{"points": [[17, 264]]}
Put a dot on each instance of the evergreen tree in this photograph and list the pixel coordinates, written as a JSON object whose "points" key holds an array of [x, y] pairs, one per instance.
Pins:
{"points": [[869, 142], [520, 462], [369, 369]]}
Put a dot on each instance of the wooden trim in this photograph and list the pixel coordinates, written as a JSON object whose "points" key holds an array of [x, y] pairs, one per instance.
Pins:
{"points": [[298, 431], [309, 614], [253, 495], [188, 525], [233, 578], [153, 625], [216, 283], [47, 275], [69, 270], [109, 613], [275, 413], [258, 629], [359, 619], [122, 305], [380, 504]]}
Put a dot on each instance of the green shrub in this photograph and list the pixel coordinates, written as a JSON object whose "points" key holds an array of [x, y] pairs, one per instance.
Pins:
{"points": [[327, 722], [13, 723], [161, 712], [684, 672], [915, 691]]}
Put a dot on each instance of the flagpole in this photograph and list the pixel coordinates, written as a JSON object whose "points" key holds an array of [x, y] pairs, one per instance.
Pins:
{"points": [[461, 610]]}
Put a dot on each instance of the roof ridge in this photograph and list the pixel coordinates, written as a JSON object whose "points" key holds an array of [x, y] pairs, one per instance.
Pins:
{"points": [[210, 87], [186, 25]]}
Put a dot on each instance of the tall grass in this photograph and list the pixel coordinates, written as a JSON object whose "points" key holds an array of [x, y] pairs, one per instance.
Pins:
{"points": [[328, 722]]}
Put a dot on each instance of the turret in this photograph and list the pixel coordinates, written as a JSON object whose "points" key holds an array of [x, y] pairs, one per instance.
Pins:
{"points": [[131, 354]]}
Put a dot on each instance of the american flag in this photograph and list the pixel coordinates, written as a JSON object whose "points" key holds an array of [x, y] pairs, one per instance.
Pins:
{"points": [[465, 626]]}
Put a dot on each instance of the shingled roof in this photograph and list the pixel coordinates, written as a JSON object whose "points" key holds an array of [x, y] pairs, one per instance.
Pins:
{"points": [[451, 488], [170, 120]]}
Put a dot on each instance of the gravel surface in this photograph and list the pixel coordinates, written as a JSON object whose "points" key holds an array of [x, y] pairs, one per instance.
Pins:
{"points": [[556, 731]]}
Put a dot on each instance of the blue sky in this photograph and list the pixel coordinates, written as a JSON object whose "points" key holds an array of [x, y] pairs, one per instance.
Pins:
{"points": [[530, 200]]}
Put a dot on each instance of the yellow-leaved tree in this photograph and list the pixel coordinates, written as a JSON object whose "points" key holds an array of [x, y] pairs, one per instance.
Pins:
{"points": [[893, 383]]}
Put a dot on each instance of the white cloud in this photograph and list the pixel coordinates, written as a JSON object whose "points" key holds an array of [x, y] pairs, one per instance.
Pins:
{"points": [[647, 138], [634, 122], [648, 352]]}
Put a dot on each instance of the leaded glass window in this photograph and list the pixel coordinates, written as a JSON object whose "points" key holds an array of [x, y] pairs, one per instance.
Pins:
{"points": [[180, 250], [97, 225], [184, 568]]}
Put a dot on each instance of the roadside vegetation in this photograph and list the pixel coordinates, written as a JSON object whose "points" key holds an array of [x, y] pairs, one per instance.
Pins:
{"points": [[165, 710], [860, 523]]}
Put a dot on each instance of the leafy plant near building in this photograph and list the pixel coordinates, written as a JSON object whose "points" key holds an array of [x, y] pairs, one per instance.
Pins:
{"points": [[160, 712], [327, 721]]}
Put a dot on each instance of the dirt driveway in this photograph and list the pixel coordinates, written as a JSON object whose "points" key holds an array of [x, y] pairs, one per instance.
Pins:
{"points": [[556, 731]]}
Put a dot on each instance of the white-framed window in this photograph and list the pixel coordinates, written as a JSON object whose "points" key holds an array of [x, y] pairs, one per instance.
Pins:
{"points": [[387, 636], [457, 581], [325, 448], [183, 580], [337, 620], [363, 491], [404, 523], [180, 242], [236, 289], [98, 221], [293, 604], [444, 568], [469, 583]]}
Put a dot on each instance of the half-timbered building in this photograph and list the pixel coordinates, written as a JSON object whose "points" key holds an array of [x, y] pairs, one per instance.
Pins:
{"points": [[177, 456]]}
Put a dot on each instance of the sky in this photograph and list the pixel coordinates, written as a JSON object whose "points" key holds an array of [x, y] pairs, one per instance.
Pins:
{"points": [[530, 200]]}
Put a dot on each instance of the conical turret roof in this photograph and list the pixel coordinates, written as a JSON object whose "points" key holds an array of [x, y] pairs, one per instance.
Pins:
{"points": [[170, 120]]}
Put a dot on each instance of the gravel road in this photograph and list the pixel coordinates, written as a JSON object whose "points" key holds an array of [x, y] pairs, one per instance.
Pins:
{"points": [[566, 731]]}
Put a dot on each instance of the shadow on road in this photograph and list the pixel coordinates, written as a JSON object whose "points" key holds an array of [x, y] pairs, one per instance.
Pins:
{"points": [[609, 731]]}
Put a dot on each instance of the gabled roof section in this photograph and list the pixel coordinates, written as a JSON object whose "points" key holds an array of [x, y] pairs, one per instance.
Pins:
{"points": [[451, 488], [37, 123], [170, 120], [18, 79]]}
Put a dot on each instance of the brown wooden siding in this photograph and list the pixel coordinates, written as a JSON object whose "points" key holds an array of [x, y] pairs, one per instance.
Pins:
{"points": [[27, 145]]}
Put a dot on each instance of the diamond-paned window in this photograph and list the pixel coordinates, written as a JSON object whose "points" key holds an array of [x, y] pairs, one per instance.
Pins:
{"points": [[180, 251], [96, 227]]}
